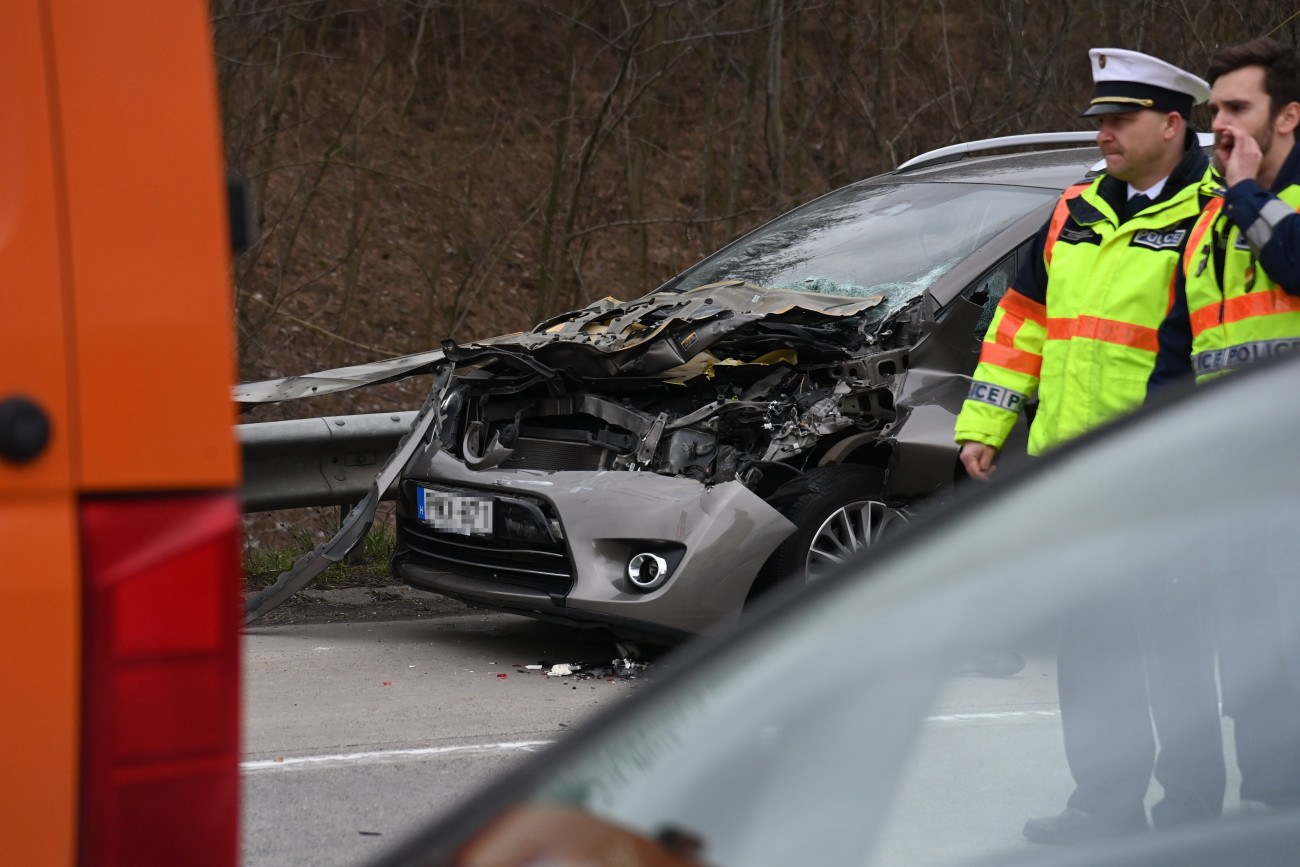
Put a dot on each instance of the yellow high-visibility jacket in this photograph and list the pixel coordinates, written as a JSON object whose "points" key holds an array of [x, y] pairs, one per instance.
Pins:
{"points": [[1079, 325], [1237, 296]]}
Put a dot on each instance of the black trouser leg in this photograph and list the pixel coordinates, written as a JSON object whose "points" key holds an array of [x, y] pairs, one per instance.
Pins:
{"points": [[1139, 653], [1179, 651], [1104, 715], [1259, 626]]}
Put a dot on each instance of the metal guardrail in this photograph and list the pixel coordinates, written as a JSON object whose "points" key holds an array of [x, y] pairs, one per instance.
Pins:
{"points": [[333, 451], [329, 461]]}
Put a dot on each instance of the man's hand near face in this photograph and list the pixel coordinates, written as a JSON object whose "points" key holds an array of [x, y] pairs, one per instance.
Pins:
{"points": [[1238, 153]]}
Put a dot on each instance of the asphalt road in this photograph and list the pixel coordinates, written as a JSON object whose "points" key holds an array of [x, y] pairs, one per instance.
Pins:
{"points": [[356, 734]]}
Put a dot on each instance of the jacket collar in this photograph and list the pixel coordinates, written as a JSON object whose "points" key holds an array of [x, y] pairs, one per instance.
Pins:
{"points": [[1289, 174]]}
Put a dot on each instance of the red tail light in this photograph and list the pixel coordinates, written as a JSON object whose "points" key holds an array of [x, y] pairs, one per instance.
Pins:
{"points": [[160, 767]]}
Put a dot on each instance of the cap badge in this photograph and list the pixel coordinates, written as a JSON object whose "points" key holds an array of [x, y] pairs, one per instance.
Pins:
{"points": [[1101, 61]]}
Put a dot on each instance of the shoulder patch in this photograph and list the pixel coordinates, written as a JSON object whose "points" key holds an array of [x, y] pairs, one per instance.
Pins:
{"points": [[1073, 233], [1159, 239]]}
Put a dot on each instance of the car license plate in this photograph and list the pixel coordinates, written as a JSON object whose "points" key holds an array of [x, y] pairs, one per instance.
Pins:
{"points": [[455, 513]]}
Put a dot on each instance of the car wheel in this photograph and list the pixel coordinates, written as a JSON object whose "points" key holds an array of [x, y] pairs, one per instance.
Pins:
{"points": [[838, 515]]}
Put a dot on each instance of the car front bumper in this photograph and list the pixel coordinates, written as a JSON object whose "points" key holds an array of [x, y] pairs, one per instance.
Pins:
{"points": [[561, 543]]}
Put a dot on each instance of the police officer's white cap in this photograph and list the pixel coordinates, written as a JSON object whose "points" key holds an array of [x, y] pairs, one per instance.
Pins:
{"points": [[1126, 80]]}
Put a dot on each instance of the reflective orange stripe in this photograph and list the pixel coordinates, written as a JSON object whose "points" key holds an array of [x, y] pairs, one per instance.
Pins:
{"points": [[1198, 232], [1059, 216], [1106, 330], [1244, 307], [1028, 363], [1017, 310], [1259, 304], [1206, 317]]}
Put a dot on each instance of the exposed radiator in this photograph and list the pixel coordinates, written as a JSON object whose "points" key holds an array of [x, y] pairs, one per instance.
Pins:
{"points": [[538, 454]]}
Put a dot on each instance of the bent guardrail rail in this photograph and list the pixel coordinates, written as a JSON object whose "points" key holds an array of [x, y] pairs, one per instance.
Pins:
{"points": [[358, 520], [338, 379]]}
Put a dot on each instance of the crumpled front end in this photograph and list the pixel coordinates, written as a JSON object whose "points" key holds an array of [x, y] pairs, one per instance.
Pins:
{"points": [[628, 463]]}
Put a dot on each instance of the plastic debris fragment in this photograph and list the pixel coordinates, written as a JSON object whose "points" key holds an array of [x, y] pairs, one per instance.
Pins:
{"points": [[621, 669]]}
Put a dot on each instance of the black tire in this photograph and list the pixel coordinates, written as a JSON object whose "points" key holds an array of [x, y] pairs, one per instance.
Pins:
{"points": [[838, 514]]}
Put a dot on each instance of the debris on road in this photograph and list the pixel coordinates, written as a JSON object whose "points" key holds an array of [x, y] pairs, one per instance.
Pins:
{"points": [[622, 669]]}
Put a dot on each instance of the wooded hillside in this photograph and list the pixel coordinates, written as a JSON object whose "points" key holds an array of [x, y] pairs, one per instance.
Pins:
{"points": [[459, 168]]}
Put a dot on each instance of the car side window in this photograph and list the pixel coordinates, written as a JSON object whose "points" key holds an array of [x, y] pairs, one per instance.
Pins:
{"points": [[988, 290]]}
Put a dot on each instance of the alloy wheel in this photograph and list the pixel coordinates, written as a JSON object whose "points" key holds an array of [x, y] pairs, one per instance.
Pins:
{"points": [[852, 528]]}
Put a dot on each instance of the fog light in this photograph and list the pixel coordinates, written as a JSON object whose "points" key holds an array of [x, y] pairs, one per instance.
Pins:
{"points": [[647, 571]]}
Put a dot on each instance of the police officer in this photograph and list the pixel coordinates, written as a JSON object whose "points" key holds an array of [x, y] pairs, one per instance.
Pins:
{"points": [[1237, 298], [1079, 329], [1237, 301]]}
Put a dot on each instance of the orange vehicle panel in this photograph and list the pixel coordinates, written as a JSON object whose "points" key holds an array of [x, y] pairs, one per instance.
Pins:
{"points": [[154, 357], [41, 615], [34, 320], [116, 321]]}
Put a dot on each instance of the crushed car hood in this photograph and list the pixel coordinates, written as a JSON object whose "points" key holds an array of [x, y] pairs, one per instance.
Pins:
{"points": [[610, 325], [660, 333], [666, 333]]}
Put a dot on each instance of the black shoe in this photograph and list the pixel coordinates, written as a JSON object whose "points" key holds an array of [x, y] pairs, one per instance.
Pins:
{"points": [[1076, 826]]}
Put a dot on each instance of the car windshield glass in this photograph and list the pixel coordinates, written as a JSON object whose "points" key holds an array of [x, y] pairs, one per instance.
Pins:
{"points": [[892, 721], [892, 239]]}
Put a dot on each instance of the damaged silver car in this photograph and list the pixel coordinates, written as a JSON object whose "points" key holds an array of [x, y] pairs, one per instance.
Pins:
{"points": [[651, 466]]}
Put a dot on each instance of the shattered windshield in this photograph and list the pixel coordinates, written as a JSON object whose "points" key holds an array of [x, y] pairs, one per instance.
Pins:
{"points": [[894, 240]]}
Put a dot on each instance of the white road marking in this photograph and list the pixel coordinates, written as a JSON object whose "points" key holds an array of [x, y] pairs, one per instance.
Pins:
{"points": [[380, 756], [1011, 714]]}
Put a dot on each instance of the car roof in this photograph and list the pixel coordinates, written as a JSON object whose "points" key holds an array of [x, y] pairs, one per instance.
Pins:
{"points": [[1056, 169], [1045, 169]]}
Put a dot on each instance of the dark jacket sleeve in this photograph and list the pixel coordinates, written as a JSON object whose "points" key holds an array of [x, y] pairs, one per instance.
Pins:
{"points": [[1031, 276], [1260, 214], [1174, 358]]}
